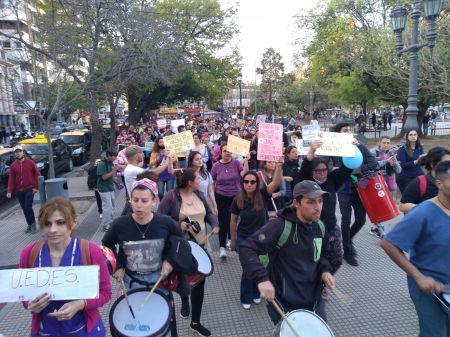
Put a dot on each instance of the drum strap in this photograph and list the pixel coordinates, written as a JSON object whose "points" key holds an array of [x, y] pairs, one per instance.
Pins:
{"points": [[34, 252]]}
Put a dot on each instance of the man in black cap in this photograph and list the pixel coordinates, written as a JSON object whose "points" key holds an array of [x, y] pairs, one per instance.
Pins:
{"points": [[295, 241]]}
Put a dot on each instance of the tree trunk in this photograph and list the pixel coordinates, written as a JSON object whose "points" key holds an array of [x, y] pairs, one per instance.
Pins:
{"points": [[112, 115], [51, 164], [97, 132]]}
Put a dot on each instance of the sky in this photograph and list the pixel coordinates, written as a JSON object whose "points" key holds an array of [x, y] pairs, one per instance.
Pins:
{"points": [[264, 24]]}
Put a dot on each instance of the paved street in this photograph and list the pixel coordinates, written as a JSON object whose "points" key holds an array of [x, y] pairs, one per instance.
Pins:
{"points": [[378, 304]]}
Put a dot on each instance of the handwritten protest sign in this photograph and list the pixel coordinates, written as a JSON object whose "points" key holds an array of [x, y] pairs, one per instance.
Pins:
{"points": [[308, 135], [161, 123], [270, 141], [335, 144], [174, 124], [179, 142], [61, 283], [260, 119], [238, 145]]}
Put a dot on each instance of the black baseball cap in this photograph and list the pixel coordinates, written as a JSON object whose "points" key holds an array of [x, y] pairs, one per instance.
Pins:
{"points": [[309, 189]]}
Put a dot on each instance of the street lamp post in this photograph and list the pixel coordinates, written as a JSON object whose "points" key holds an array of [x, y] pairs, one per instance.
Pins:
{"points": [[398, 17], [240, 95]]}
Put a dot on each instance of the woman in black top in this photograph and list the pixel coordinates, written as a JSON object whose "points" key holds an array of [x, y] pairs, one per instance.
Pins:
{"points": [[291, 170], [248, 205], [414, 194]]}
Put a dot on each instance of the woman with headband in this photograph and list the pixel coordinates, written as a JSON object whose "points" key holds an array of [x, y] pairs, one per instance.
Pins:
{"points": [[143, 238]]}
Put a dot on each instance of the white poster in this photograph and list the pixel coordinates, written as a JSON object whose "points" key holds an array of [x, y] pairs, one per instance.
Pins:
{"points": [[61, 283], [335, 144], [175, 123]]}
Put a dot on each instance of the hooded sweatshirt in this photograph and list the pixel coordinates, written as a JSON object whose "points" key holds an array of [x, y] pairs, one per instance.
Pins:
{"points": [[292, 269]]}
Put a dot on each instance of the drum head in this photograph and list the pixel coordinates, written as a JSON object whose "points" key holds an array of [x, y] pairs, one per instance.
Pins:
{"points": [[152, 320], [446, 297], [306, 323], [205, 265]]}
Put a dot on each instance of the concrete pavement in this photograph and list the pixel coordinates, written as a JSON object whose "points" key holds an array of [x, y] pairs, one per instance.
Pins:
{"points": [[378, 305]]}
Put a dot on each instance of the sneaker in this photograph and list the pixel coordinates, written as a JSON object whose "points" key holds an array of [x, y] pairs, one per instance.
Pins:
{"points": [[28, 230], [375, 232], [185, 310], [246, 306], [256, 300], [106, 228], [222, 253], [228, 244], [351, 260], [200, 329], [101, 216]]}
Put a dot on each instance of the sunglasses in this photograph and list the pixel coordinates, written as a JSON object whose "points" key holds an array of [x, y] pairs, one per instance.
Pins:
{"points": [[251, 182]]}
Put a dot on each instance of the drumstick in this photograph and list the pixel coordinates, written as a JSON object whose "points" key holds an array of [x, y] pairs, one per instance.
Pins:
{"points": [[122, 285], [340, 295], [283, 316], [151, 291]]}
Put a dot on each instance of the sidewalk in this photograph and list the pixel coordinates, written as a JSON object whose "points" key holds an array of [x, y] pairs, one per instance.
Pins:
{"points": [[379, 301]]}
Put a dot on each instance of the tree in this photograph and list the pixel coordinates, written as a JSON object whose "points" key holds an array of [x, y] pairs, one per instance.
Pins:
{"points": [[272, 72]]}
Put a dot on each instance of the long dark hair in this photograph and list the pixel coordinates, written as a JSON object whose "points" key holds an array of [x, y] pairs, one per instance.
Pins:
{"points": [[257, 201], [184, 176], [190, 164], [287, 151], [433, 157], [408, 148], [156, 144]]}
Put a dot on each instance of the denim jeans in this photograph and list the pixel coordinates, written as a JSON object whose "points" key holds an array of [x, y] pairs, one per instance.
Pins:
{"points": [[346, 203], [165, 186], [249, 289], [433, 322], [25, 198]]}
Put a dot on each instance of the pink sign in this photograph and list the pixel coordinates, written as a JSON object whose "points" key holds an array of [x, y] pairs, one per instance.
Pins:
{"points": [[161, 123], [270, 142]]}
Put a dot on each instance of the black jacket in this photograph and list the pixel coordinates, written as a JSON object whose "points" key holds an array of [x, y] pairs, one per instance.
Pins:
{"points": [[292, 269], [291, 168]]}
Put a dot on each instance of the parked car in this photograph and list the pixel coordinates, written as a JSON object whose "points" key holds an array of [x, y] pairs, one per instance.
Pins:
{"points": [[80, 143], [7, 157], [37, 149]]}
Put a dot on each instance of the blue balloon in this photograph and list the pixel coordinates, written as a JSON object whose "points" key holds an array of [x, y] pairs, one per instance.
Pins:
{"points": [[353, 162]]}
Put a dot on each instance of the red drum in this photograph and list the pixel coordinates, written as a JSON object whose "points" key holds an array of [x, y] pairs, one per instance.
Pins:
{"points": [[377, 198], [205, 264]]}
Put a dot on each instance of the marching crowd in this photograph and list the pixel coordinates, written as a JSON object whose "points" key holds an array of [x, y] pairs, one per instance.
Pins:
{"points": [[280, 216]]}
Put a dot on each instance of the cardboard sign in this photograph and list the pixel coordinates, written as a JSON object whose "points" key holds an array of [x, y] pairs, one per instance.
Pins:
{"points": [[260, 119], [335, 144], [179, 142], [61, 283], [161, 123], [270, 141], [238, 145], [175, 123], [308, 135]]}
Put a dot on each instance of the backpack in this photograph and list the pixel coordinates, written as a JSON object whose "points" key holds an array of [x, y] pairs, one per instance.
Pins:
{"points": [[422, 185], [265, 260], [34, 252]]}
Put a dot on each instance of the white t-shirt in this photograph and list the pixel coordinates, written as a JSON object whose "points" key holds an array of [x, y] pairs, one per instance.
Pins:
{"points": [[130, 174], [204, 183]]}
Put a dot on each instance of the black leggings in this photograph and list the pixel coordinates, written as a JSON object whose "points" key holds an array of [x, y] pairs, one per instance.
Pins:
{"points": [[223, 207], [197, 296]]}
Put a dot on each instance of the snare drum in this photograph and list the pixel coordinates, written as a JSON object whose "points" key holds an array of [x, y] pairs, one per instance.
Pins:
{"points": [[153, 320], [305, 322], [205, 265]]}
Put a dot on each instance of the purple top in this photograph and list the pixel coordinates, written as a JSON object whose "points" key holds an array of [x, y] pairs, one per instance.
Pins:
{"points": [[227, 177], [76, 326], [164, 175]]}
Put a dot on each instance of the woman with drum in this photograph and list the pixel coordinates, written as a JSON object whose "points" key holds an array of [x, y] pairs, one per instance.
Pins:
{"points": [[227, 174], [186, 205], [57, 221], [248, 206], [408, 155], [143, 240]]}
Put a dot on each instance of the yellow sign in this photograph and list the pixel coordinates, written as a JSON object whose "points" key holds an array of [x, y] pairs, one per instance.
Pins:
{"points": [[179, 142], [238, 145], [168, 111]]}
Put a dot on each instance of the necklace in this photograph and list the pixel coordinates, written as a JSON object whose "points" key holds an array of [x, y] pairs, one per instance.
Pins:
{"points": [[146, 229], [447, 208]]}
